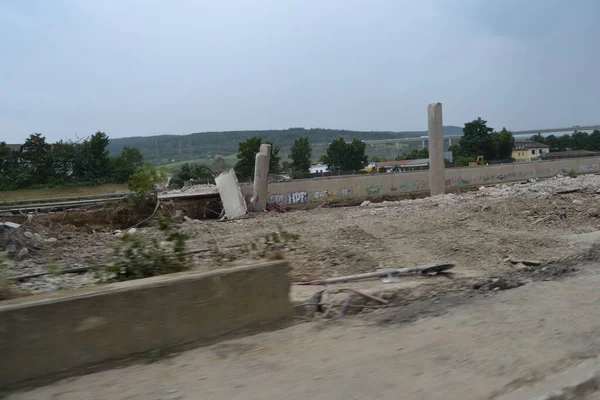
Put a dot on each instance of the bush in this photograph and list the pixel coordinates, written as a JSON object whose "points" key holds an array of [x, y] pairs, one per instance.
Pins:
{"points": [[142, 258], [142, 184]]}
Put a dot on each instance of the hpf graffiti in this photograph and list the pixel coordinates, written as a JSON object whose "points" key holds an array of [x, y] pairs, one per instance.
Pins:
{"points": [[298, 197]]}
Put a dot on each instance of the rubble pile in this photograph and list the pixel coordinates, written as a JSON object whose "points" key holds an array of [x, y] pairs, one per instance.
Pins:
{"points": [[195, 189], [545, 188]]}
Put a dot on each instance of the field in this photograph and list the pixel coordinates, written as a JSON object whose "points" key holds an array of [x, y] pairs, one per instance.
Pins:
{"points": [[172, 167], [59, 191]]}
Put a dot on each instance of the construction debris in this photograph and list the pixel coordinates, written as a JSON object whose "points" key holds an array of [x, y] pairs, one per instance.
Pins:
{"points": [[231, 195], [524, 262], [426, 269]]}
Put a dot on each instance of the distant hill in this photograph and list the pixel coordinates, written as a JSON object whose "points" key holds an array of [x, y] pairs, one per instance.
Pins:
{"points": [[168, 148]]}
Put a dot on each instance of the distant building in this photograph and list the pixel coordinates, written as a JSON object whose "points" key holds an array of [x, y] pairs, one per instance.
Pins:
{"points": [[528, 150], [318, 168]]}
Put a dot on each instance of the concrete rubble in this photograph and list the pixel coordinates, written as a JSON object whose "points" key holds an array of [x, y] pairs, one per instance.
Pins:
{"points": [[195, 189], [233, 201]]}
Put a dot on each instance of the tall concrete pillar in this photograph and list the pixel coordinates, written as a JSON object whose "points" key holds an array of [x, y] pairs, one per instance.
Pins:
{"points": [[261, 178], [436, 149]]}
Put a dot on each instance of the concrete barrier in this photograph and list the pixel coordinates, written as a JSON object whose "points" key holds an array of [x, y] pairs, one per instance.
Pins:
{"points": [[355, 187], [45, 337]]}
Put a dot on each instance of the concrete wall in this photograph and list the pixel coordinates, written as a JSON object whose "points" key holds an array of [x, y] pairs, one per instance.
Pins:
{"points": [[362, 186], [53, 335]]}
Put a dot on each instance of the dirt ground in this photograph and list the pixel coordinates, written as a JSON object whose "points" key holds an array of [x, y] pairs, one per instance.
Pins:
{"points": [[452, 349], [551, 221]]}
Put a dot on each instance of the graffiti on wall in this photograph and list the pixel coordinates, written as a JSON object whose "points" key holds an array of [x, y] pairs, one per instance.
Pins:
{"points": [[408, 186], [298, 197], [323, 195], [457, 182], [277, 198], [345, 192], [373, 188]]}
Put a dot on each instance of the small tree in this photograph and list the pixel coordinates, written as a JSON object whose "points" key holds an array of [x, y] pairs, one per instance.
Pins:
{"points": [[300, 154], [142, 184]]}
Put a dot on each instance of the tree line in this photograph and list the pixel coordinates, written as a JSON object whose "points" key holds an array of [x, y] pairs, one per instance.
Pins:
{"points": [[575, 141], [38, 163], [210, 144], [340, 156]]}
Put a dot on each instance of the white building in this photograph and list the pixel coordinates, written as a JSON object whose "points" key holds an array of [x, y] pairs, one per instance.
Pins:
{"points": [[318, 168]]}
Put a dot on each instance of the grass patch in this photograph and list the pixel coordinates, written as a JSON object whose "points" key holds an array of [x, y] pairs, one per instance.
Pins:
{"points": [[173, 167], [59, 191]]}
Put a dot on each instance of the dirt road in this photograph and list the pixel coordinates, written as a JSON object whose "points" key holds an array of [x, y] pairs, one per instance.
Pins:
{"points": [[456, 348]]}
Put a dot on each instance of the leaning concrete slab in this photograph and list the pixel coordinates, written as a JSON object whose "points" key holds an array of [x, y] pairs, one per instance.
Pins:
{"points": [[45, 337], [231, 195]]}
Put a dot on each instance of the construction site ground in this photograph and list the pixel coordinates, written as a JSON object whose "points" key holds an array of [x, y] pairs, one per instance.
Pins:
{"points": [[454, 348], [554, 222], [520, 303]]}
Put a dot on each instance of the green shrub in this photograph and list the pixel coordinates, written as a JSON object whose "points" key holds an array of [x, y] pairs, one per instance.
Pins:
{"points": [[138, 257]]}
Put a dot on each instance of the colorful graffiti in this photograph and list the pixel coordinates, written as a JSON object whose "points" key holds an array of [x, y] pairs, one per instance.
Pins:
{"points": [[298, 197], [373, 188]]}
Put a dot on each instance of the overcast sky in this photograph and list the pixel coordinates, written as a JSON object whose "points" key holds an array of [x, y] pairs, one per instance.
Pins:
{"points": [[147, 67]]}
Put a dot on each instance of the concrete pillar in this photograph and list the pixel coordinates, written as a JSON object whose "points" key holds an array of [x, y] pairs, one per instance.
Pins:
{"points": [[261, 178], [436, 149]]}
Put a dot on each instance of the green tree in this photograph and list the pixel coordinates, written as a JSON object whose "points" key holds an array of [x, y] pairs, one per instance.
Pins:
{"points": [[64, 160], [564, 143], [377, 158], [300, 155], [580, 141], [8, 167], [246, 155], [477, 140], [594, 141], [552, 141], [125, 164], [189, 172], [95, 160], [504, 142], [342, 156], [142, 184], [35, 160], [538, 138]]}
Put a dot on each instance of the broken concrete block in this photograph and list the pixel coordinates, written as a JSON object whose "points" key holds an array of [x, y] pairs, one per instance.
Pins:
{"points": [[231, 194]]}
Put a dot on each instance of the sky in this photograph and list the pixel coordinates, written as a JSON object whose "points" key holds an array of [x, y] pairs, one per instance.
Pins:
{"points": [[69, 68]]}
